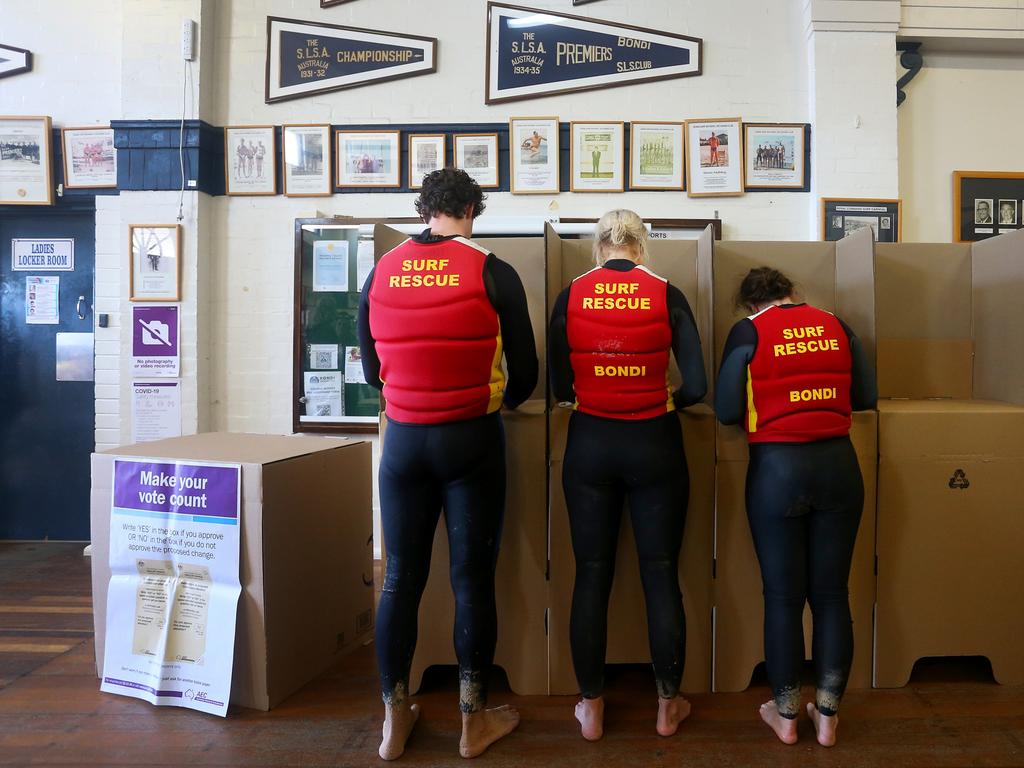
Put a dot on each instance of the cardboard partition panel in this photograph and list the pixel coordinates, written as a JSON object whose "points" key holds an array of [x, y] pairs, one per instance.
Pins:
{"points": [[997, 278], [306, 556], [739, 605], [950, 536], [522, 562], [687, 265]]}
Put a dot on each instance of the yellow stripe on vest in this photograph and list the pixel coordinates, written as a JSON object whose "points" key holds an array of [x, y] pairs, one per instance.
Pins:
{"points": [[497, 382], [751, 408]]}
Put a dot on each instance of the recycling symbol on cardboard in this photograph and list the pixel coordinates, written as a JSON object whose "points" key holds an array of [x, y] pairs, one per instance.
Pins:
{"points": [[959, 480]]}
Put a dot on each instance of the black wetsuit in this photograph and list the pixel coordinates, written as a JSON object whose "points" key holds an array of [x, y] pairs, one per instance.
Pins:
{"points": [[611, 461], [459, 467], [804, 503]]}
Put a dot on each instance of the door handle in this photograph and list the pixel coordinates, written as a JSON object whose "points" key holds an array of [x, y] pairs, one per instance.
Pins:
{"points": [[78, 307]]}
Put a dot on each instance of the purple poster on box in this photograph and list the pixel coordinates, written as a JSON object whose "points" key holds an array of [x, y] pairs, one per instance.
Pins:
{"points": [[155, 341]]}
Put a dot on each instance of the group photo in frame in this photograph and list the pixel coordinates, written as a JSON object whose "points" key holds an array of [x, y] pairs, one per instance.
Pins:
{"points": [[533, 155], [842, 216], [986, 204], [368, 158], [90, 159], [427, 153], [306, 160], [714, 157], [656, 156], [250, 166], [597, 156], [26, 163], [155, 262], [477, 155], [774, 156]]}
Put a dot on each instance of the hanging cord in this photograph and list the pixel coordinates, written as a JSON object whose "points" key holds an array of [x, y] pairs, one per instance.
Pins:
{"points": [[186, 79]]}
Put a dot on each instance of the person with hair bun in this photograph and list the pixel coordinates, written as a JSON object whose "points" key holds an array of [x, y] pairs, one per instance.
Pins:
{"points": [[436, 315], [611, 333], [791, 374]]}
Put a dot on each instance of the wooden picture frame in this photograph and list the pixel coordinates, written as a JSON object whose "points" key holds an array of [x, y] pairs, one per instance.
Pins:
{"points": [[589, 144], [305, 183], [487, 176], [701, 180], [387, 172], [440, 145], [245, 167], [26, 151], [146, 288], [784, 143], [95, 149], [999, 189], [842, 215], [545, 179], [645, 181]]}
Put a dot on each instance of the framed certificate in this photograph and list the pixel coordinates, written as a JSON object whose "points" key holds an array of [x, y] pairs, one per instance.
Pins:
{"points": [[597, 157], [714, 157], [306, 160], [426, 155], [155, 252], [533, 155], [26, 172], [367, 159], [656, 156], [90, 160], [477, 155], [774, 156]]}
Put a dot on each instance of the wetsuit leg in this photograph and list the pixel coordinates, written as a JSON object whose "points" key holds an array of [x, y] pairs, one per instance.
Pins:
{"points": [[777, 507], [470, 460], [594, 498], [833, 534], [658, 491], [410, 501]]}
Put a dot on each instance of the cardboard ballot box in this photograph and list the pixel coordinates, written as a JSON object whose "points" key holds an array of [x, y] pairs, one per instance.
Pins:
{"points": [[306, 554], [687, 265], [521, 586], [951, 450], [837, 277]]}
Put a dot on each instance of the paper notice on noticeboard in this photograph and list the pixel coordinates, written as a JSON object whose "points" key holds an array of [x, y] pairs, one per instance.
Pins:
{"points": [[364, 262], [330, 265], [41, 300], [324, 392], [173, 594], [354, 366], [323, 357]]}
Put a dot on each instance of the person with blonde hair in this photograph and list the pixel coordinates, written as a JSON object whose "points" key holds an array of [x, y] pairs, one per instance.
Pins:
{"points": [[611, 334]]}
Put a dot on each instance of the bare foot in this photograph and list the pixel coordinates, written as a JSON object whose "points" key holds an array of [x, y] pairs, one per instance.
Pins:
{"points": [[398, 723], [590, 713], [483, 728], [671, 712], [784, 728], [824, 725]]}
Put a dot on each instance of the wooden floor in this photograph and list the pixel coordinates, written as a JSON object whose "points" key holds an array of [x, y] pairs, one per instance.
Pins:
{"points": [[52, 713]]}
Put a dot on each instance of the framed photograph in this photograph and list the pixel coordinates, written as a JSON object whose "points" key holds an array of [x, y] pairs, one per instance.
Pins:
{"points": [[656, 156], [597, 157], [306, 160], [26, 170], [367, 159], [155, 262], [249, 160], [986, 204], [426, 155], [90, 160], [714, 157], [842, 216], [533, 155], [774, 156], [477, 155]]}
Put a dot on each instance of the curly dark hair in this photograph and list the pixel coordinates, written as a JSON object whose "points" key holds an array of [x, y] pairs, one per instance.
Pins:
{"points": [[449, 191], [763, 285]]}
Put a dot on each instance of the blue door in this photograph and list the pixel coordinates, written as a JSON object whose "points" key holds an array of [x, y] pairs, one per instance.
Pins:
{"points": [[46, 425]]}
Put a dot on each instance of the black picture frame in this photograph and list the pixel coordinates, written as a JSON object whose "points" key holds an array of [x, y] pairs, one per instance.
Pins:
{"points": [[836, 213], [996, 188]]}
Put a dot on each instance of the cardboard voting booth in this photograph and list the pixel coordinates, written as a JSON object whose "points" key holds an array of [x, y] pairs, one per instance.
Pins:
{"points": [[306, 554], [835, 276], [951, 451], [687, 265]]}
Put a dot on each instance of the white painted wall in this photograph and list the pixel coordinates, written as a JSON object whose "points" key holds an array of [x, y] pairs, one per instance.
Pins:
{"points": [[964, 111]]}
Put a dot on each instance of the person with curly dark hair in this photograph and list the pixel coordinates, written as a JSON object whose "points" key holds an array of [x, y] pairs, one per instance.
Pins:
{"points": [[791, 375], [436, 314]]}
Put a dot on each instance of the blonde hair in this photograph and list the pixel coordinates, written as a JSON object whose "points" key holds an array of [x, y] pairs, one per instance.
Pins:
{"points": [[617, 230]]}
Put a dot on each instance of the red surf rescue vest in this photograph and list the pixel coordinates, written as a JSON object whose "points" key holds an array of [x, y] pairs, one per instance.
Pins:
{"points": [[798, 382], [437, 334], [619, 341]]}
